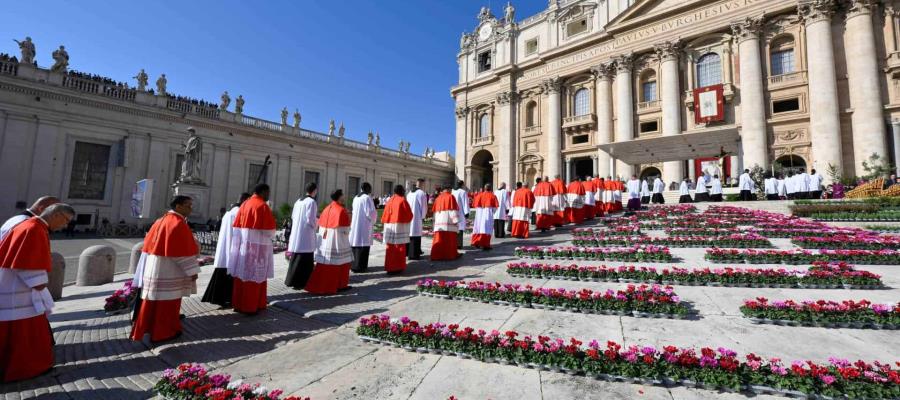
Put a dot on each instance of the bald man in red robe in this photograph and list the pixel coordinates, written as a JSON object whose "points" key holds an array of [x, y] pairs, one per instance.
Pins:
{"points": [[446, 224], [26, 343]]}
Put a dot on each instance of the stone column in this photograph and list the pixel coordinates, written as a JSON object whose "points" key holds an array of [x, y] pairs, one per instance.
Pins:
{"points": [[692, 171], [863, 78], [824, 113], [568, 176], [753, 100], [506, 141], [551, 88], [670, 95], [895, 128], [595, 162], [603, 75], [624, 107], [462, 138]]}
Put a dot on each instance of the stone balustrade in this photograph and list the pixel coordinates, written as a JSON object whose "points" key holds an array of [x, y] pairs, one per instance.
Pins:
{"points": [[793, 78], [483, 140], [8, 68]]}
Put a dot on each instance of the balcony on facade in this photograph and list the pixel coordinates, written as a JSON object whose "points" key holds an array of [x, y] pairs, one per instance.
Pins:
{"points": [[649, 106], [578, 123], [482, 140], [787, 80]]}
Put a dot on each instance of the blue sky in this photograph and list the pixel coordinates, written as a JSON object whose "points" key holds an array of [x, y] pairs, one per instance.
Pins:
{"points": [[385, 65]]}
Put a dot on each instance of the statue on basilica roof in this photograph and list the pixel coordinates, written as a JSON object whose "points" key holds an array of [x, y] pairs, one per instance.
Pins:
{"points": [[510, 16]]}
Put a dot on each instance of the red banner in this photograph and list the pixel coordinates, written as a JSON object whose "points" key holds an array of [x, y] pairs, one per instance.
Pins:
{"points": [[709, 104]]}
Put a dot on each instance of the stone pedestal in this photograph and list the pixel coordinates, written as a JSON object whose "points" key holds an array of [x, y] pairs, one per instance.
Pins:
{"points": [[57, 275], [96, 266], [145, 98], [161, 100], [135, 257], [197, 192], [55, 78], [26, 71]]}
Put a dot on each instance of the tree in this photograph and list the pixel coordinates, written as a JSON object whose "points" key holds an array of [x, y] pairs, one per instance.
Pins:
{"points": [[876, 167], [758, 175]]}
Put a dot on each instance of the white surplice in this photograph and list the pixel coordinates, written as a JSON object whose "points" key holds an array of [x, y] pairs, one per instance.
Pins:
{"points": [[484, 221], [224, 243], [745, 183], [462, 201], [503, 200], [701, 184], [645, 188], [11, 223], [418, 203], [716, 186], [306, 222], [633, 187], [658, 185], [363, 220]]}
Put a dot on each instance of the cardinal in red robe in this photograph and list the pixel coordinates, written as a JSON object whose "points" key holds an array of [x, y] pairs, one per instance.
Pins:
{"points": [[559, 201], [522, 203], [543, 205], [26, 343], [396, 218], [334, 254], [483, 226], [446, 224], [575, 202], [598, 197], [588, 198], [251, 260], [168, 272]]}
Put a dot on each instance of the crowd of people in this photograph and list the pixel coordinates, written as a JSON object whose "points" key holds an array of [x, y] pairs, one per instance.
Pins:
{"points": [[196, 102], [96, 78]]}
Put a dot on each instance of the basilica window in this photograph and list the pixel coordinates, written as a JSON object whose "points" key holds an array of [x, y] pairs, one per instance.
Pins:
{"points": [[353, 185], [255, 176], [582, 101], [782, 56], [709, 70], [575, 27], [648, 86], [311, 177], [531, 46], [484, 126], [484, 61], [90, 164], [531, 117]]}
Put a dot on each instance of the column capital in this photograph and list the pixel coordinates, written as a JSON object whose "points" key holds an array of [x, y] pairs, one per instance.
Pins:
{"points": [[504, 98], [604, 71], [860, 7], [812, 11], [624, 63], [551, 85], [668, 51], [747, 29], [461, 112]]}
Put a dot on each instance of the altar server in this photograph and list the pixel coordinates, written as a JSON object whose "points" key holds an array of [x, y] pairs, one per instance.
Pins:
{"points": [[701, 193], [815, 185], [361, 225], [418, 203], [685, 192], [633, 189], [658, 187], [645, 190], [485, 205], [745, 184], [446, 212], [169, 273], [715, 189], [302, 243], [333, 255], [770, 186], [251, 260], [501, 213], [26, 342], [396, 219], [218, 291]]}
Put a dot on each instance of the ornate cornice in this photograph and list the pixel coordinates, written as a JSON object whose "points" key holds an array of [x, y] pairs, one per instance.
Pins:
{"points": [[668, 51], [860, 7], [551, 85], [604, 71], [461, 112], [749, 28], [812, 11], [624, 63]]}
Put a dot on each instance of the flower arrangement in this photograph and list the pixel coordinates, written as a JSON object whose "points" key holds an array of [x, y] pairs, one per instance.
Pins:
{"points": [[640, 301], [821, 275], [847, 242], [742, 240], [121, 300], [797, 257], [639, 253], [664, 212], [831, 314], [618, 230], [709, 368], [193, 382]]}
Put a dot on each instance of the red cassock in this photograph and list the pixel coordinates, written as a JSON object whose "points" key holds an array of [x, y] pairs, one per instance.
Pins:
{"points": [[609, 186], [253, 220], [543, 206], [588, 208], [446, 224], [396, 218], [598, 196], [334, 254], [484, 205], [559, 201], [523, 202], [26, 344], [575, 200], [171, 237], [620, 186]]}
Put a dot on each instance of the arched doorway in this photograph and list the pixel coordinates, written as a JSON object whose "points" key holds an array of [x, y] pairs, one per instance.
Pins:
{"points": [[482, 169], [650, 172], [790, 163]]}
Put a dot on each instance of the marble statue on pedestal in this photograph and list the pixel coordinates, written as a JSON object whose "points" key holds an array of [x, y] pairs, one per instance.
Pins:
{"points": [[341, 130], [142, 79], [370, 138], [331, 128], [297, 118], [284, 116], [510, 16], [60, 60], [377, 139], [407, 147], [161, 85], [27, 48], [402, 143], [239, 104], [193, 156], [226, 101]]}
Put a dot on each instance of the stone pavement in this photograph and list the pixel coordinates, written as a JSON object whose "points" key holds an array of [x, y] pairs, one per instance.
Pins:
{"points": [[306, 345]]}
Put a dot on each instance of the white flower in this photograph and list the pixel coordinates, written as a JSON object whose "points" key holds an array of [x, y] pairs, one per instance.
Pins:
{"points": [[261, 390], [234, 384]]}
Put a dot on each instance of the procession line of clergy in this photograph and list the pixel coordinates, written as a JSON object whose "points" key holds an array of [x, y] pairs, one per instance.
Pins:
{"points": [[446, 227], [26, 340], [523, 201], [485, 204]]}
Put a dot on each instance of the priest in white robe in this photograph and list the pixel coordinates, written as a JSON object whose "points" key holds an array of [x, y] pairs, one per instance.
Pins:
{"points": [[362, 222], [418, 202], [770, 187], [684, 192], [701, 193], [645, 190], [745, 184], [658, 187], [462, 201], [302, 243], [36, 209], [715, 189], [633, 187], [501, 214], [218, 291]]}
